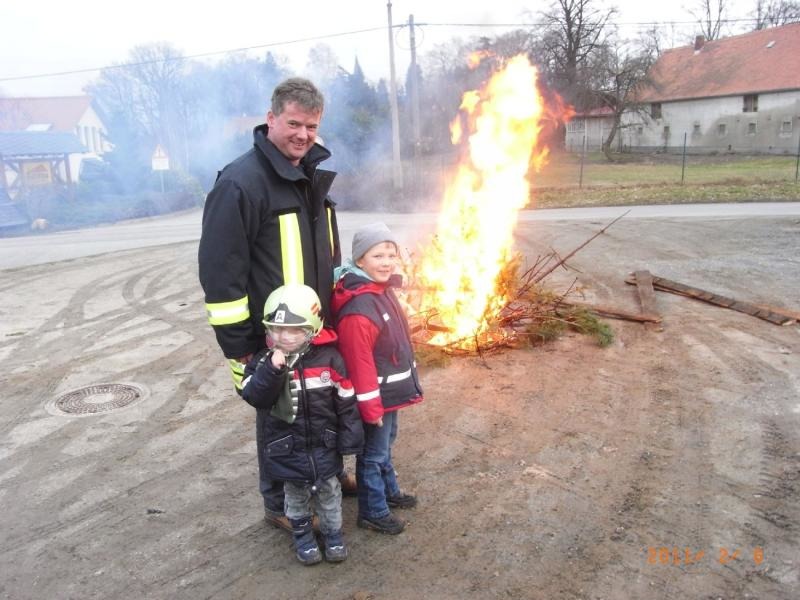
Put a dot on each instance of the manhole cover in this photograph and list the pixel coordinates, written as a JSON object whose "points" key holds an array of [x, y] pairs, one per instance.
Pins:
{"points": [[94, 399]]}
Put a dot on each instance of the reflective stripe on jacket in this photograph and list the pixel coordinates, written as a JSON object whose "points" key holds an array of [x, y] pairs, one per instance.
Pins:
{"points": [[376, 345], [326, 424]]}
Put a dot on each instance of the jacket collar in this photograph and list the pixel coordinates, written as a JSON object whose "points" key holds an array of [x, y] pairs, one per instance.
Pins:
{"points": [[280, 163], [351, 285]]}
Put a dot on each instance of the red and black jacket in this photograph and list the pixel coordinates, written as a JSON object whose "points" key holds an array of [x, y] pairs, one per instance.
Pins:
{"points": [[376, 345], [327, 424]]}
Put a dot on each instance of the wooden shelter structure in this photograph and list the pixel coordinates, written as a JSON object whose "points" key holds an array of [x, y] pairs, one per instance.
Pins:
{"points": [[36, 158]]}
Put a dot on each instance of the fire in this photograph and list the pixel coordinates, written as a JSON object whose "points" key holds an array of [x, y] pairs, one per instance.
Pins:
{"points": [[500, 126]]}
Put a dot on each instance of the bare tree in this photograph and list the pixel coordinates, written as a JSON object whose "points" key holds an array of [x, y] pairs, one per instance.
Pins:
{"points": [[322, 65], [710, 15], [571, 32], [148, 95], [619, 70], [774, 13]]}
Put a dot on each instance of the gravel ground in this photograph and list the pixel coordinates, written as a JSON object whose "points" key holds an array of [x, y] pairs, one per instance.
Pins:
{"points": [[664, 466]]}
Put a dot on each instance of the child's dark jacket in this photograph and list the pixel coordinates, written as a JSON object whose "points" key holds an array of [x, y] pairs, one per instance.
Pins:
{"points": [[327, 424], [376, 345]]}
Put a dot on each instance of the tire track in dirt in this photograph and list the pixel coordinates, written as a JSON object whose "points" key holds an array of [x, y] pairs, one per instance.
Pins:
{"points": [[71, 318], [35, 347]]}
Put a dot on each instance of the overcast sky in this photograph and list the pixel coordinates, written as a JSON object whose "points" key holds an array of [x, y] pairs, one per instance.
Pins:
{"points": [[51, 36]]}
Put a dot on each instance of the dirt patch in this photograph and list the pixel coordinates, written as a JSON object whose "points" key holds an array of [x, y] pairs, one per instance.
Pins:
{"points": [[664, 466]]}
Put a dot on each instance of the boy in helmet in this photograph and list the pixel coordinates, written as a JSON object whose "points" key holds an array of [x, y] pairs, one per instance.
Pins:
{"points": [[300, 379]]}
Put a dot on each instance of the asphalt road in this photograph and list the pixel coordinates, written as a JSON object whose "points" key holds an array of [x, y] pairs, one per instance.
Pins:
{"points": [[183, 227]]}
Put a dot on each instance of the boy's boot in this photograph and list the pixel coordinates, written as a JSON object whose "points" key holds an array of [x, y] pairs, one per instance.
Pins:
{"points": [[305, 544], [401, 500], [388, 524], [335, 549]]}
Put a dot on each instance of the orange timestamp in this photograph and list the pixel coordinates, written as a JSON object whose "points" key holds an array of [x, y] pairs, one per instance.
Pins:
{"points": [[688, 556]]}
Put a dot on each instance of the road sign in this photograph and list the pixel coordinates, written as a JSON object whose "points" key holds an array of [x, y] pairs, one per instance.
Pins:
{"points": [[160, 159]]}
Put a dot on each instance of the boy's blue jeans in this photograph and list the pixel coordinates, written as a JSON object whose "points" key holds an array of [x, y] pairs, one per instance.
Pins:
{"points": [[374, 470]]}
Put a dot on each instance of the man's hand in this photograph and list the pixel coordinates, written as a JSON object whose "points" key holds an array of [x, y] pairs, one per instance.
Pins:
{"points": [[245, 359], [378, 423], [278, 359]]}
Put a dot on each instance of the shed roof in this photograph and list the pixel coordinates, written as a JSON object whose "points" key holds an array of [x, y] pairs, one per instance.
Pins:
{"points": [[39, 143], [760, 61], [598, 112]]}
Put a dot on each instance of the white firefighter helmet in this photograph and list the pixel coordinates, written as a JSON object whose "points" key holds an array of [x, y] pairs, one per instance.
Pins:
{"points": [[293, 305]]}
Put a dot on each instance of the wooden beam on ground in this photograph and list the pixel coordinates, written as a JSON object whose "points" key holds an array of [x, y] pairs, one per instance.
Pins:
{"points": [[681, 289], [792, 314], [647, 295], [608, 311]]}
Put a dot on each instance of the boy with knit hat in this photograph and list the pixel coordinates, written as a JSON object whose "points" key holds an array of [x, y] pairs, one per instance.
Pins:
{"points": [[376, 345]]}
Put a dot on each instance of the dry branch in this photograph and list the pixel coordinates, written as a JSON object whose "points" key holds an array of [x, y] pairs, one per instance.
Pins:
{"points": [[616, 313], [528, 304], [563, 260]]}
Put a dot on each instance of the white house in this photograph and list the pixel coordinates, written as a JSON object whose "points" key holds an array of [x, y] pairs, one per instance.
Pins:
{"points": [[737, 94], [63, 114]]}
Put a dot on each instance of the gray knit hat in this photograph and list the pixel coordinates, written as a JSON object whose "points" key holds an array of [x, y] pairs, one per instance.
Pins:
{"points": [[369, 235]]}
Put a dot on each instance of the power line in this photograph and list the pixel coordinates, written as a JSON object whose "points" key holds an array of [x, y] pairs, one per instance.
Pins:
{"points": [[330, 36], [191, 56], [541, 23]]}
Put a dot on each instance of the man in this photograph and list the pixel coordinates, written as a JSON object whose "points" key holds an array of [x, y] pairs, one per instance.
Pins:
{"points": [[267, 222]]}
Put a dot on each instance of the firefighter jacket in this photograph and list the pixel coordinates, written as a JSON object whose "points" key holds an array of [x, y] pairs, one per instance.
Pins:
{"points": [[376, 344], [265, 223], [326, 422]]}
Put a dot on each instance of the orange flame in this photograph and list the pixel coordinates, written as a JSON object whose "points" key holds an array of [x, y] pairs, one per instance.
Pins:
{"points": [[500, 126]]}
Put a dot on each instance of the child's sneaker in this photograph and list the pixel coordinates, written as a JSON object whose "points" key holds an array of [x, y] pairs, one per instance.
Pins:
{"points": [[335, 549], [305, 544], [401, 500]]}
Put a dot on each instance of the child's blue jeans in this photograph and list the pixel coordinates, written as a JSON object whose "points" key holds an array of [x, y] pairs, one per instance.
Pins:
{"points": [[374, 470], [327, 501]]}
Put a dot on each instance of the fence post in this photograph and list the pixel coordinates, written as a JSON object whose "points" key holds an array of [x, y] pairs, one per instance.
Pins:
{"points": [[797, 165], [683, 166], [583, 156]]}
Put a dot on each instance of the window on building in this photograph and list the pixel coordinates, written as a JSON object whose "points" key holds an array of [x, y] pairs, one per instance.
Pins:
{"points": [[696, 129], [639, 129], [722, 130], [750, 103], [655, 110], [666, 134], [575, 126], [786, 127], [751, 128]]}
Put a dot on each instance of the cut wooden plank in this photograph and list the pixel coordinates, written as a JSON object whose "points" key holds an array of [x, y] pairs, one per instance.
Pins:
{"points": [[792, 314], [609, 311], [647, 295], [674, 287]]}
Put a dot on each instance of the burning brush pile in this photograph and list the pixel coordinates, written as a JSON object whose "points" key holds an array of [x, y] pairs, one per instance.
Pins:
{"points": [[468, 292]]}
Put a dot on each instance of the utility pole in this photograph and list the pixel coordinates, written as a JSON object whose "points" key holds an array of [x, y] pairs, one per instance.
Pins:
{"points": [[397, 167], [414, 84]]}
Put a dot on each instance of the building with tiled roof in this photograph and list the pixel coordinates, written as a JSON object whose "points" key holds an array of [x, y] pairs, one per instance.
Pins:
{"points": [[44, 140], [739, 94]]}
